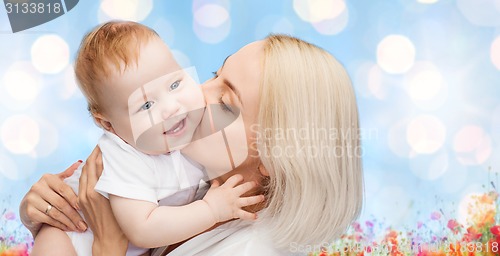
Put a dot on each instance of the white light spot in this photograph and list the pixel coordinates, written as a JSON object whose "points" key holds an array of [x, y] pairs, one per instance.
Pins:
{"points": [[425, 134], [21, 83], [209, 27], [481, 12], [278, 25], [429, 167], [212, 35], [133, 10], [50, 54], [332, 26], [395, 54], [469, 206], [495, 52], [211, 15], [426, 86], [472, 145], [20, 134], [318, 10]]}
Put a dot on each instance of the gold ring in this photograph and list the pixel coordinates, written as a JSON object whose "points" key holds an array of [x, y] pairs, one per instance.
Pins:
{"points": [[49, 207]]}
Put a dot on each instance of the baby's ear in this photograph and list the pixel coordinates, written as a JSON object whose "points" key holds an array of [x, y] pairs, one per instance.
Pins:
{"points": [[103, 122]]}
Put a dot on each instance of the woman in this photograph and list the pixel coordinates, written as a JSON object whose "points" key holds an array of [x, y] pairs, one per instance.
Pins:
{"points": [[300, 115]]}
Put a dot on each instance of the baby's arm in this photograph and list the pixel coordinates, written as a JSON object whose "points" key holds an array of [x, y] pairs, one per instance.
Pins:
{"points": [[148, 225]]}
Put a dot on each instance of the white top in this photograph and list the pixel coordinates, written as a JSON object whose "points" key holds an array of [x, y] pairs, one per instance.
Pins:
{"points": [[132, 174], [161, 179], [238, 237]]}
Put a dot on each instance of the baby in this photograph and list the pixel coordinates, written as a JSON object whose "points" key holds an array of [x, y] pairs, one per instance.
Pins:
{"points": [[149, 108]]}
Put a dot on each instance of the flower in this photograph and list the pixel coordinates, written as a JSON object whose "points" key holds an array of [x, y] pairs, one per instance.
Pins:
{"points": [[435, 216], [9, 215], [453, 226]]}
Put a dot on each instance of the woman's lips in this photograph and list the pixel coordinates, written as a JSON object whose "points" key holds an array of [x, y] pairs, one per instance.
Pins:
{"points": [[177, 129]]}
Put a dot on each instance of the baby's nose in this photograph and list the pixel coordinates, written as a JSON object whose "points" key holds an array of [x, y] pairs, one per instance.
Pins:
{"points": [[169, 110]]}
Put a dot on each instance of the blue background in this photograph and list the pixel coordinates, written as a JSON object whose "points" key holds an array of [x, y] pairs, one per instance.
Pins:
{"points": [[430, 115]]}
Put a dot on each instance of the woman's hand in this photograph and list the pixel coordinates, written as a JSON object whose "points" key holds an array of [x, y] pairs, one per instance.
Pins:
{"points": [[108, 236], [34, 209]]}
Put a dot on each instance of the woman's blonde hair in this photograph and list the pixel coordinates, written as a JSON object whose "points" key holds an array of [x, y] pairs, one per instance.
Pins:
{"points": [[309, 143]]}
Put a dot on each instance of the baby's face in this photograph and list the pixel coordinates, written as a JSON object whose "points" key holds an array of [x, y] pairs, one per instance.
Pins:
{"points": [[155, 106]]}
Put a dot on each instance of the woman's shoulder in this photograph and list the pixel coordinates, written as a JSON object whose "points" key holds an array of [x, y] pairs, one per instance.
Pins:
{"points": [[242, 238]]}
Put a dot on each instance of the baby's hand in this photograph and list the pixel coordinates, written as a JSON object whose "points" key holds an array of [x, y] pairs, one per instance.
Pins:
{"points": [[226, 202]]}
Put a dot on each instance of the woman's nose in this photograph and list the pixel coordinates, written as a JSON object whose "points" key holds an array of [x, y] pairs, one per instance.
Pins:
{"points": [[210, 92]]}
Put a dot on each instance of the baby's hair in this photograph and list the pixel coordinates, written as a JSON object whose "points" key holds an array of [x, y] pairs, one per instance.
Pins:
{"points": [[112, 46]]}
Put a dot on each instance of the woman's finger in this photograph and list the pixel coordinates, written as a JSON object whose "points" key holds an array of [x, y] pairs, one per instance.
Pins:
{"points": [[42, 204], [47, 194], [82, 185], [92, 167], [69, 171], [50, 221]]}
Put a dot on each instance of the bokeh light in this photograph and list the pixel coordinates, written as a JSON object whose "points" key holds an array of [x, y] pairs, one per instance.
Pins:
{"points": [[429, 167], [332, 26], [395, 54], [181, 58], [50, 54], [212, 22], [426, 86], [328, 17], [133, 10], [495, 52], [426, 134], [318, 10], [278, 25], [22, 84], [472, 145], [20, 134], [481, 12]]}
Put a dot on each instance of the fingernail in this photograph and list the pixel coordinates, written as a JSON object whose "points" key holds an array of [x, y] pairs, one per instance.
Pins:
{"points": [[80, 161], [82, 226]]}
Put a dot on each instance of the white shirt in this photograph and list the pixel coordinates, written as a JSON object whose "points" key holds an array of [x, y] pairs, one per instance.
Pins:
{"points": [[238, 237], [129, 173], [161, 179]]}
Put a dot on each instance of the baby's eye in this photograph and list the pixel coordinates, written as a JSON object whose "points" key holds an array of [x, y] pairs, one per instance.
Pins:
{"points": [[175, 85], [147, 105]]}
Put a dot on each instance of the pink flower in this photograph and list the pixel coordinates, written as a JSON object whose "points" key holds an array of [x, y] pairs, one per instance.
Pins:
{"points": [[435, 216], [10, 215], [419, 224], [453, 226], [369, 224], [357, 227]]}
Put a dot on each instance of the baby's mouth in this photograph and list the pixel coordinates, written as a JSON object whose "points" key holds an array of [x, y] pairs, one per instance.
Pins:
{"points": [[178, 127]]}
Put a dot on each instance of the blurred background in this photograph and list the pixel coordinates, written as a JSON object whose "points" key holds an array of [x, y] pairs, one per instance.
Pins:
{"points": [[426, 74]]}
